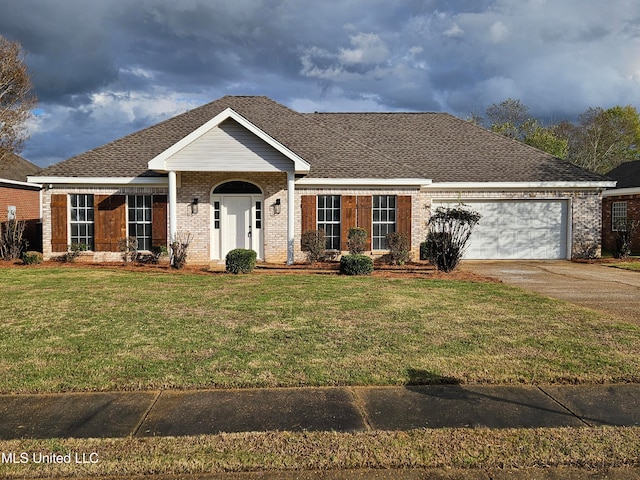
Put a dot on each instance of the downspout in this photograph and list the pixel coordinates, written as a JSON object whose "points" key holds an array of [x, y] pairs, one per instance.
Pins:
{"points": [[290, 215]]}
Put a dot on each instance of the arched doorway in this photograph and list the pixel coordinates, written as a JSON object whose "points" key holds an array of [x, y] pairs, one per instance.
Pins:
{"points": [[237, 217]]}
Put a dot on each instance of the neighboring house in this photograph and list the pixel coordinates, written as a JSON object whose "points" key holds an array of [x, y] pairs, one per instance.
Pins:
{"points": [[19, 199], [249, 172], [621, 204]]}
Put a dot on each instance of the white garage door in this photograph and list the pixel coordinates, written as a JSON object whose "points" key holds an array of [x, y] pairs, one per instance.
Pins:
{"points": [[510, 230]]}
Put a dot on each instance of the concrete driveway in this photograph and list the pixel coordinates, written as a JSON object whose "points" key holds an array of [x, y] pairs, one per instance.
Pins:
{"points": [[612, 290]]}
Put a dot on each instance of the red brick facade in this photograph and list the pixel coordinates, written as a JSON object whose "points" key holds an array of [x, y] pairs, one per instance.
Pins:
{"points": [[27, 202], [633, 213]]}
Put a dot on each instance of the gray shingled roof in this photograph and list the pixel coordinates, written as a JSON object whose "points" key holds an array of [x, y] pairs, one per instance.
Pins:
{"points": [[627, 175], [14, 167], [437, 146]]}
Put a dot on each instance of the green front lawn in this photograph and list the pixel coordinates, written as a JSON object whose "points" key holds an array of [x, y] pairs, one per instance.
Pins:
{"points": [[631, 265], [78, 329]]}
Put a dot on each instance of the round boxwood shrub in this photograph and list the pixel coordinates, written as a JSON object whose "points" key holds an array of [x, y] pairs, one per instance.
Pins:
{"points": [[31, 258], [356, 265], [240, 260]]}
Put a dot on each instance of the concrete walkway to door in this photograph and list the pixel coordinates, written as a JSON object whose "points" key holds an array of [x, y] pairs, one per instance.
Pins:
{"points": [[596, 286]]}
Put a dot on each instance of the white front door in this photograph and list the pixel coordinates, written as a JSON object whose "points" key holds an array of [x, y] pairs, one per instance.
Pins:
{"points": [[236, 223]]}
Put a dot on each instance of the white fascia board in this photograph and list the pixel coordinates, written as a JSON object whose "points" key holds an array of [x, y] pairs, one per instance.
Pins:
{"points": [[362, 182], [621, 191], [21, 184], [161, 181], [517, 185], [158, 163]]}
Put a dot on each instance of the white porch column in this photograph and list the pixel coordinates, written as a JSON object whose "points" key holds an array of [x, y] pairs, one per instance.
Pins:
{"points": [[173, 207], [290, 215]]}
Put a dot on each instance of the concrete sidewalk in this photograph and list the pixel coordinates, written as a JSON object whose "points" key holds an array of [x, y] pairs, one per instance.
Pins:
{"points": [[342, 409]]}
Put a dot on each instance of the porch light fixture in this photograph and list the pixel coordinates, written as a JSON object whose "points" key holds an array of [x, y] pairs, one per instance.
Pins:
{"points": [[277, 207], [194, 206]]}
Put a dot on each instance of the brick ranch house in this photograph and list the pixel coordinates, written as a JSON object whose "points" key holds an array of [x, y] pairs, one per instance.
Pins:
{"points": [[19, 199], [248, 172], [620, 204]]}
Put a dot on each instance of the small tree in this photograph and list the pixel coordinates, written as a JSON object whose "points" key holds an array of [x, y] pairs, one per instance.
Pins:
{"points": [[16, 97], [357, 240], [449, 232], [12, 241], [314, 244]]}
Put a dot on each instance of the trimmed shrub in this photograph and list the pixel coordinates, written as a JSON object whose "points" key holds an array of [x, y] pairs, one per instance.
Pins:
{"points": [[314, 244], [240, 260], [357, 240], [449, 231], [356, 265], [73, 252], [31, 258], [398, 245]]}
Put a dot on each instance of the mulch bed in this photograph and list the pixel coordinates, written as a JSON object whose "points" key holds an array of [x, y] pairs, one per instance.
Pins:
{"points": [[382, 270]]}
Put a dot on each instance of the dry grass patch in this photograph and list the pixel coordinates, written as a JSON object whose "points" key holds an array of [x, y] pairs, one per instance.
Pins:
{"points": [[593, 448]]}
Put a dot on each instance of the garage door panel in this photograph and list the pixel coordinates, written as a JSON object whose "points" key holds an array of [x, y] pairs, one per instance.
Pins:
{"points": [[523, 229]]}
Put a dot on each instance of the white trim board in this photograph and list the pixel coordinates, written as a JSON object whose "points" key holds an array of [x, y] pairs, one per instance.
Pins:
{"points": [[517, 185], [160, 181]]}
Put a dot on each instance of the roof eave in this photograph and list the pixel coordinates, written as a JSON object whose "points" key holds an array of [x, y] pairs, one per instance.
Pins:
{"points": [[363, 182], [621, 191], [29, 183], [148, 181], [577, 185]]}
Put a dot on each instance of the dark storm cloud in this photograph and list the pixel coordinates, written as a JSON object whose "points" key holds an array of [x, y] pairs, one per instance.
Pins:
{"points": [[107, 67]]}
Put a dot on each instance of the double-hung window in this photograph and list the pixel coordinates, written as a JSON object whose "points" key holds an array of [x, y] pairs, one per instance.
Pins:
{"points": [[384, 219], [619, 216], [82, 224], [328, 219], [140, 208]]}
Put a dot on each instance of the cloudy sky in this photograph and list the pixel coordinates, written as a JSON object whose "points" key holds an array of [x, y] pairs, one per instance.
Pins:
{"points": [[105, 68]]}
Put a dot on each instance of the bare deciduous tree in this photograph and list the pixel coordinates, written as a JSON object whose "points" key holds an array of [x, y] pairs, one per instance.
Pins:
{"points": [[16, 97]]}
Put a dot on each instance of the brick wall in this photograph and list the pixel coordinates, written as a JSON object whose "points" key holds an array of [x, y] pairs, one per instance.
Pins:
{"points": [[46, 213], [585, 211], [633, 213], [419, 214], [26, 200]]}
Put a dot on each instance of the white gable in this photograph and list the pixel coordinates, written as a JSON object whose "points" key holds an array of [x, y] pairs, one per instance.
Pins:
{"points": [[229, 147], [228, 143]]}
